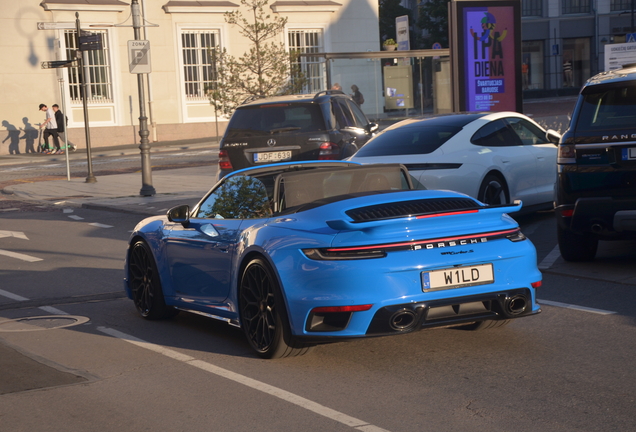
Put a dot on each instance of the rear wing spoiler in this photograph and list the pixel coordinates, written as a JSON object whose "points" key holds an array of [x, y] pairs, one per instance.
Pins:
{"points": [[348, 225]]}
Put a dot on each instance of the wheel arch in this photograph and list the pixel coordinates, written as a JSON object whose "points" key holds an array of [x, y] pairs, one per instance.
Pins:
{"points": [[500, 175]]}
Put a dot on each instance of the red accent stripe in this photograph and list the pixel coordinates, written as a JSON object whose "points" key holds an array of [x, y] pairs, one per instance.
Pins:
{"points": [[327, 309], [446, 214], [420, 242]]}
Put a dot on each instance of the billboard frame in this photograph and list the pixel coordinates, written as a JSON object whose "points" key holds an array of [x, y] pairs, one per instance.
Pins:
{"points": [[459, 50]]}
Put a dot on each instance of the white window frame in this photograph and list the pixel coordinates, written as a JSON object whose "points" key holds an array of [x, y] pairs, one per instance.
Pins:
{"points": [[311, 87], [183, 97], [111, 103]]}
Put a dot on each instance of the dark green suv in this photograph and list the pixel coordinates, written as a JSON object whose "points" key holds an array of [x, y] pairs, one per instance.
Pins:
{"points": [[596, 182], [326, 126]]}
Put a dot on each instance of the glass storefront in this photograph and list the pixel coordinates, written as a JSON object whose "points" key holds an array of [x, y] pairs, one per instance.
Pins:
{"points": [[576, 61], [532, 65]]}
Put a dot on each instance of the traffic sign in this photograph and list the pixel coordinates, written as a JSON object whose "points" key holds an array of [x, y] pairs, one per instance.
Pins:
{"points": [[139, 56], [59, 64], [630, 37], [437, 45], [56, 25]]}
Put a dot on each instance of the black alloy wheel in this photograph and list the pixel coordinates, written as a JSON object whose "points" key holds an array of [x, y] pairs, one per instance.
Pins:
{"points": [[493, 191], [576, 247], [143, 279], [485, 325], [263, 317]]}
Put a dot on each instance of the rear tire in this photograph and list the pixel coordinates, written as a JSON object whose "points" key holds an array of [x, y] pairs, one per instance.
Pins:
{"points": [[493, 191], [263, 316], [576, 247]]}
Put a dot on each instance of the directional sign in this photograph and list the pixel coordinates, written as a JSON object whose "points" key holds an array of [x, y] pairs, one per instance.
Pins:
{"points": [[139, 56], [59, 64], [91, 42], [56, 25]]}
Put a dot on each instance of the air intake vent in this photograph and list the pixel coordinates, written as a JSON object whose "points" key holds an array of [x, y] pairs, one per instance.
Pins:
{"points": [[411, 208]]}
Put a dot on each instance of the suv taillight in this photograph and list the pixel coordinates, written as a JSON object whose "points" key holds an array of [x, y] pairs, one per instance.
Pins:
{"points": [[329, 151], [224, 161], [565, 154]]}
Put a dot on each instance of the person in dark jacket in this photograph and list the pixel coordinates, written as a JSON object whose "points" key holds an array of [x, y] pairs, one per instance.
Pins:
{"points": [[61, 121], [357, 96]]}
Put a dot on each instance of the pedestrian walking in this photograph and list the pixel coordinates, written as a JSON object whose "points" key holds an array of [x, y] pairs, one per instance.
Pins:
{"points": [[50, 129], [62, 122]]}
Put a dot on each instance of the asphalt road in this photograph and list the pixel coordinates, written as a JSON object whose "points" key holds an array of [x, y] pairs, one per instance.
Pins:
{"points": [[566, 369]]}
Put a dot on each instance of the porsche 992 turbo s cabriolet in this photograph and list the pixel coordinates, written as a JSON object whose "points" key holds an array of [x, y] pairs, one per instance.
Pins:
{"points": [[298, 254]]}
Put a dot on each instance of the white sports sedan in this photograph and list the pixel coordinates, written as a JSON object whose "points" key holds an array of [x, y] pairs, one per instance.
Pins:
{"points": [[494, 157]]}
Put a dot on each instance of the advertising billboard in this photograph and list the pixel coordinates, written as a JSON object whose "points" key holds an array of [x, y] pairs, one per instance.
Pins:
{"points": [[486, 54]]}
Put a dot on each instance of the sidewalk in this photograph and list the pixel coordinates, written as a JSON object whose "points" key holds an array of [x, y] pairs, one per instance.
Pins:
{"points": [[120, 192]]}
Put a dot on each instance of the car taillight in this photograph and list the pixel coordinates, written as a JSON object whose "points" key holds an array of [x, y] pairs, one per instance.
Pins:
{"points": [[329, 151], [224, 161], [566, 154]]}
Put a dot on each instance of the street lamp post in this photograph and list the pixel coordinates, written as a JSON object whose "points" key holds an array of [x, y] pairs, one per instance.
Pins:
{"points": [[146, 169], [90, 178]]}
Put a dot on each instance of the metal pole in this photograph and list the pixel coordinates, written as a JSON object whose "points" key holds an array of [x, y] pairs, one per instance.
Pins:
{"points": [[146, 169], [68, 168], [153, 124], [90, 178]]}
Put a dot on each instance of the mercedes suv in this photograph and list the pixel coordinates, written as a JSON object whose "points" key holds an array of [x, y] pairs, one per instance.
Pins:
{"points": [[596, 177], [324, 126]]}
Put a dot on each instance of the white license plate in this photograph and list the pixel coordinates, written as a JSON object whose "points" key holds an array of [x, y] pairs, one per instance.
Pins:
{"points": [[272, 156], [629, 153], [457, 277]]}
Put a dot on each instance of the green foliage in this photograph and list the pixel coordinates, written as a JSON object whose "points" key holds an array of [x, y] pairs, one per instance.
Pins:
{"points": [[266, 69], [241, 197], [434, 19]]}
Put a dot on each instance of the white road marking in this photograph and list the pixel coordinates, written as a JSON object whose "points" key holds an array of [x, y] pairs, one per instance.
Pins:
{"points": [[76, 217], [550, 259], [67, 210], [52, 310], [575, 307], [16, 234], [98, 225], [19, 256], [249, 382], [9, 209], [49, 309], [12, 296]]}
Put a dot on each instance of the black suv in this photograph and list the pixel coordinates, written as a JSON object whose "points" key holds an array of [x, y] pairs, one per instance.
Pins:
{"points": [[325, 126], [596, 182]]}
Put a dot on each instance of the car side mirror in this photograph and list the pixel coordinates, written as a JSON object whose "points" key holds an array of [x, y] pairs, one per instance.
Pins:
{"points": [[553, 136], [371, 128], [180, 214]]}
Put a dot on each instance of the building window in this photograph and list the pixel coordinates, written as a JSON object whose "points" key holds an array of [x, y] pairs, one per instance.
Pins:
{"points": [[576, 61], [532, 65], [620, 5], [313, 69], [99, 87], [576, 6], [199, 72], [532, 8]]}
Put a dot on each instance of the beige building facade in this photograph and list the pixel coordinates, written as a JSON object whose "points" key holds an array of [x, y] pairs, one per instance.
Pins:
{"points": [[179, 34]]}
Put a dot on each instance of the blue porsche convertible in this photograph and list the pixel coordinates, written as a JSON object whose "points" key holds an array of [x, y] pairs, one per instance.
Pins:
{"points": [[298, 254]]}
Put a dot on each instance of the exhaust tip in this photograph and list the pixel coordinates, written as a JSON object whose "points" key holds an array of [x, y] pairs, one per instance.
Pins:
{"points": [[597, 228], [403, 320], [516, 305]]}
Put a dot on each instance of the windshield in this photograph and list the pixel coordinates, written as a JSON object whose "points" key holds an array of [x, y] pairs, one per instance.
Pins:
{"points": [[607, 107], [408, 140], [275, 119]]}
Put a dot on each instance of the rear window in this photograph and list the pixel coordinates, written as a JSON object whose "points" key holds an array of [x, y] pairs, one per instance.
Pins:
{"points": [[408, 140], [272, 119], [610, 106]]}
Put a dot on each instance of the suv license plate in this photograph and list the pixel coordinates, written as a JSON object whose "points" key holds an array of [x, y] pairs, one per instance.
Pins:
{"points": [[272, 156], [457, 277], [629, 153]]}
